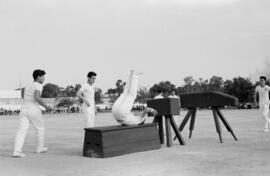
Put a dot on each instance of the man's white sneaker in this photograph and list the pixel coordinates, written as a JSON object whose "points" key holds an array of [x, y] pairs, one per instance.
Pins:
{"points": [[43, 150], [18, 154], [266, 130]]}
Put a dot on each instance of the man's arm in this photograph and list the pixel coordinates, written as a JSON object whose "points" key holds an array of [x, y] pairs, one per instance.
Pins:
{"points": [[40, 101], [80, 95], [147, 110]]}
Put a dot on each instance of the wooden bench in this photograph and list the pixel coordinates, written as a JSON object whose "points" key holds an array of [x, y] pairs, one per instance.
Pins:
{"points": [[109, 141]]}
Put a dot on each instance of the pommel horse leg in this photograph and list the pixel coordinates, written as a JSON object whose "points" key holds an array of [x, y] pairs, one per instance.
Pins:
{"points": [[168, 131], [189, 113], [192, 122], [218, 128], [185, 120], [178, 135], [227, 125], [159, 120]]}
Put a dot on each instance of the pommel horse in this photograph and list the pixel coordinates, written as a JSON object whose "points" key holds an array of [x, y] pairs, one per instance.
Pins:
{"points": [[213, 99], [166, 107]]}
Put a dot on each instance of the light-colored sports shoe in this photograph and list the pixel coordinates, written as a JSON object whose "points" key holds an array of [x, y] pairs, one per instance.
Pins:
{"points": [[18, 154], [43, 150], [266, 130]]}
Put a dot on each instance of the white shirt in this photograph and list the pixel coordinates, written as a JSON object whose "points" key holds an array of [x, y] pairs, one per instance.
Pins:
{"points": [[173, 96], [29, 93], [263, 94], [89, 94]]}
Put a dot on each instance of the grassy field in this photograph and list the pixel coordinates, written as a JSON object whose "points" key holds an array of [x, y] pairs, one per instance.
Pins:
{"points": [[203, 155]]}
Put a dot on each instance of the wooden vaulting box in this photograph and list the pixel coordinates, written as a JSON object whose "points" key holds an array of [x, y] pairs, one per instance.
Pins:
{"points": [[109, 141]]}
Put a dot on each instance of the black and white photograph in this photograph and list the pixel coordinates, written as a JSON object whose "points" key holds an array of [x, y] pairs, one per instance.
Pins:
{"points": [[134, 87]]}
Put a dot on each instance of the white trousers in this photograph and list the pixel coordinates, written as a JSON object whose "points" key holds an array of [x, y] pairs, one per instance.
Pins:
{"points": [[30, 114], [121, 109], [89, 117], [264, 109]]}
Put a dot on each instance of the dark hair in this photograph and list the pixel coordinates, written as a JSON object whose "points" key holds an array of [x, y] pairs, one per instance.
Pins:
{"points": [[263, 77], [90, 74], [173, 90], [37, 73], [158, 90]]}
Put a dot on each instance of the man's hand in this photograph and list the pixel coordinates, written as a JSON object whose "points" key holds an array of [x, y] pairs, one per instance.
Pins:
{"points": [[152, 111], [155, 113]]}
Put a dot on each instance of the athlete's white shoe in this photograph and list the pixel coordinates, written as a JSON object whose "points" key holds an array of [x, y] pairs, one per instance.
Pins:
{"points": [[18, 154], [43, 150]]}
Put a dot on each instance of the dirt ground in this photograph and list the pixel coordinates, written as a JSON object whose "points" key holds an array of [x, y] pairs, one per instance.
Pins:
{"points": [[203, 154]]}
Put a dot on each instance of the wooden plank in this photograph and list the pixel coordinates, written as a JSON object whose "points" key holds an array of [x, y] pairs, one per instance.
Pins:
{"points": [[119, 127], [128, 136], [93, 136], [125, 149]]}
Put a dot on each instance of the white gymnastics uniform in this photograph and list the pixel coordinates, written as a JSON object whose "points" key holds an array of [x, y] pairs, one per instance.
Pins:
{"points": [[89, 111], [30, 113], [264, 102], [121, 109]]}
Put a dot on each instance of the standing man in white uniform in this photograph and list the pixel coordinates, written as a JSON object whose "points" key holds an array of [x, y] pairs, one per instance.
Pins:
{"points": [[87, 95], [31, 113], [263, 91]]}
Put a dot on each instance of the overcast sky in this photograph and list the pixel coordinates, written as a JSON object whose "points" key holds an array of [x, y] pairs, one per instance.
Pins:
{"points": [[164, 39]]}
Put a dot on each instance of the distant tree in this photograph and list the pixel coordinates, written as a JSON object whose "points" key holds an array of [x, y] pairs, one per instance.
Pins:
{"points": [[196, 87], [143, 95], [240, 87], [113, 95], [216, 83], [228, 87], [119, 86], [65, 102], [70, 91], [180, 90], [111, 91], [50, 90], [204, 84], [98, 96], [153, 89], [77, 87], [164, 86], [188, 82]]}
